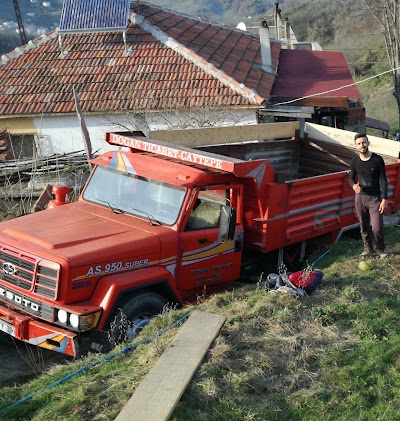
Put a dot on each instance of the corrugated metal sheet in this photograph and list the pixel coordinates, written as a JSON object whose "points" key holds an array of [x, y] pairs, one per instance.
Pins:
{"points": [[281, 154], [308, 73], [377, 124], [94, 15], [318, 157]]}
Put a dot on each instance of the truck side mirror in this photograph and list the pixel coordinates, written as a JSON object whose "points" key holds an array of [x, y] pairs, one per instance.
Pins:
{"points": [[227, 223]]}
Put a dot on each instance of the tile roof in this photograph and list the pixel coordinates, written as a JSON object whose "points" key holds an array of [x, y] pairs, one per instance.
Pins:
{"points": [[307, 73], [176, 61]]}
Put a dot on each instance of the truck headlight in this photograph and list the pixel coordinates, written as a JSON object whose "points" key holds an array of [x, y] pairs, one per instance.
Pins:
{"points": [[74, 320], [62, 316], [77, 322]]}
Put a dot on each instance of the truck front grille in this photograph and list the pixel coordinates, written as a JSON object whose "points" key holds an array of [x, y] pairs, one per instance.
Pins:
{"points": [[27, 272], [14, 300]]}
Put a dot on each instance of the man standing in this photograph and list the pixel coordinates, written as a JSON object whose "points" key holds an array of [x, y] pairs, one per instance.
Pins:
{"points": [[371, 194]]}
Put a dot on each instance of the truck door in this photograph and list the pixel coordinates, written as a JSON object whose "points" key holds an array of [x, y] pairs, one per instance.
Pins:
{"points": [[208, 264]]}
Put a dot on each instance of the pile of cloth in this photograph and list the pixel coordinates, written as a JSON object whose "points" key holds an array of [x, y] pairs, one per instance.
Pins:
{"points": [[297, 283]]}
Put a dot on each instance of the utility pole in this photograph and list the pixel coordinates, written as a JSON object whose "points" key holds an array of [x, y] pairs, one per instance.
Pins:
{"points": [[21, 28]]}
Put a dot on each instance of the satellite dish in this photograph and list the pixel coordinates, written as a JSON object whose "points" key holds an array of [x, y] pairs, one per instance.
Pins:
{"points": [[241, 26]]}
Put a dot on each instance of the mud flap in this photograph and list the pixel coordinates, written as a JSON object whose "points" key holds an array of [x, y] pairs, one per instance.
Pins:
{"points": [[98, 342]]}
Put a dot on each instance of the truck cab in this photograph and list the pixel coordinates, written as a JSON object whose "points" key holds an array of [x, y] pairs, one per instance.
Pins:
{"points": [[181, 206], [145, 233]]}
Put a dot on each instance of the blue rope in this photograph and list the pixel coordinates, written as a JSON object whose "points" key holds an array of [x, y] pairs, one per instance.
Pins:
{"points": [[86, 367], [329, 249], [322, 255]]}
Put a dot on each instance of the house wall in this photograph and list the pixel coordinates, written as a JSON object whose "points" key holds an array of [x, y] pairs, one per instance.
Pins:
{"points": [[62, 134]]}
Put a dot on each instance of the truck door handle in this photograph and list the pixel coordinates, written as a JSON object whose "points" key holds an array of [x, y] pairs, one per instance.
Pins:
{"points": [[204, 240]]}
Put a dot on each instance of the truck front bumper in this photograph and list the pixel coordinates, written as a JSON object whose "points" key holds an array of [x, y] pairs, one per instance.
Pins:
{"points": [[38, 333]]}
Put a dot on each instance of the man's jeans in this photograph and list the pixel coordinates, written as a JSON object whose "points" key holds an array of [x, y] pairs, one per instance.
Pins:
{"points": [[371, 221]]}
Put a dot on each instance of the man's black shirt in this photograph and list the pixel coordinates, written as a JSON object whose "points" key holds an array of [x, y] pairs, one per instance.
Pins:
{"points": [[371, 175]]}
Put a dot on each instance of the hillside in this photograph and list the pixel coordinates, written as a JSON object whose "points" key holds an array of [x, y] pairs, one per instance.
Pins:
{"points": [[318, 20], [330, 355]]}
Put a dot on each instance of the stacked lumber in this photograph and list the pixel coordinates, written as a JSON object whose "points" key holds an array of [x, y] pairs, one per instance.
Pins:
{"points": [[26, 168], [27, 177]]}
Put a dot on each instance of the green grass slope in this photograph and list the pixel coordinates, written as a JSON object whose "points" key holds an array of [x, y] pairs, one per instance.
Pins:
{"points": [[333, 354]]}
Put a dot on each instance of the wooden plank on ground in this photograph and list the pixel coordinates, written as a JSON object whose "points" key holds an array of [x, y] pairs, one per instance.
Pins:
{"points": [[160, 391]]}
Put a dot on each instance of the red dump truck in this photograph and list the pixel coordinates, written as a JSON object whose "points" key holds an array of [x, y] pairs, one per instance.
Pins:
{"points": [[159, 223]]}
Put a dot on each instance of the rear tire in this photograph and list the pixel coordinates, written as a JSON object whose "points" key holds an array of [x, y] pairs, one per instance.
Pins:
{"points": [[133, 315]]}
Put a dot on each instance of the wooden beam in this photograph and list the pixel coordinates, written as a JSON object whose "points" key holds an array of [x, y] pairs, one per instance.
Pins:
{"points": [[345, 138], [232, 134], [286, 114], [315, 101], [287, 109], [43, 199], [160, 391]]}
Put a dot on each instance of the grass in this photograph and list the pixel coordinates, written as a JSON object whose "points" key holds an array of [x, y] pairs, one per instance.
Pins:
{"points": [[333, 354]]}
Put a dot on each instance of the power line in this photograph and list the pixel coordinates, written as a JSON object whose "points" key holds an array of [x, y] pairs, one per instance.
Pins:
{"points": [[368, 62], [352, 49]]}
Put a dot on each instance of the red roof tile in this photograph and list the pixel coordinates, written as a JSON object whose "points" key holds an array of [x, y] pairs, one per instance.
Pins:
{"points": [[176, 61]]}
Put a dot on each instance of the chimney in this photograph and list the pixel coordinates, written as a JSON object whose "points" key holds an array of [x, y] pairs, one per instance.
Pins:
{"points": [[265, 42], [278, 21], [287, 31]]}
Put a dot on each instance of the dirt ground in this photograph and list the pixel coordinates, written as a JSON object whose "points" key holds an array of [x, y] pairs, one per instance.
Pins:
{"points": [[20, 362]]}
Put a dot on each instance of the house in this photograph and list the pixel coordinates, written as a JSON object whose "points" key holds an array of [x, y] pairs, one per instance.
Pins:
{"points": [[151, 69]]}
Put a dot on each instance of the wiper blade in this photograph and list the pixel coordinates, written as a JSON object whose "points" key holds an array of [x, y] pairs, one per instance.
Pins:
{"points": [[151, 219], [113, 208]]}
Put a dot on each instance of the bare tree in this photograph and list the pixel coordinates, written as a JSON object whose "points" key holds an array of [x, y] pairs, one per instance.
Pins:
{"points": [[170, 118], [387, 13]]}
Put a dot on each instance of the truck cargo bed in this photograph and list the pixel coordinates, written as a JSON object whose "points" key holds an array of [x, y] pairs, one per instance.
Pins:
{"points": [[311, 195]]}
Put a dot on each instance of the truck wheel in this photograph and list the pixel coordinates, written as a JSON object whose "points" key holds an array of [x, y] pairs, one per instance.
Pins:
{"points": [[134, 314]]}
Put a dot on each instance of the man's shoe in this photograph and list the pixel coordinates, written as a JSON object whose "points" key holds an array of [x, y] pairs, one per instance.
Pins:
{"points": [[367, 252], [382, 254]]}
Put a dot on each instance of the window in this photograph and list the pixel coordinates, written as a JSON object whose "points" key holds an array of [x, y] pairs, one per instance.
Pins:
{"points": [[140, 196], [206, 212], [23, 146]]}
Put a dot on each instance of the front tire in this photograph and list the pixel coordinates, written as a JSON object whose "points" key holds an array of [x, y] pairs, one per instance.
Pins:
{"points": [[133, 315]]}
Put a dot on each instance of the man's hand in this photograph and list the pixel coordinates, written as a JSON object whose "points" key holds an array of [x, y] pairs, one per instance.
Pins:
{"points": [[357, 188], [382, 206]]}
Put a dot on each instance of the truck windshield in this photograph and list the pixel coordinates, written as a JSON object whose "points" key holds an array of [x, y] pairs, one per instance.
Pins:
{"points": [[136, 195]]}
